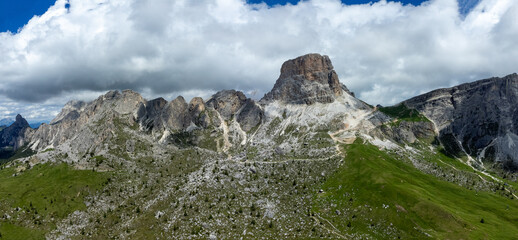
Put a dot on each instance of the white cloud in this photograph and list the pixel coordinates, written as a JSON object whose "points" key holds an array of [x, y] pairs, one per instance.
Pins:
{"points": [[385, 51]]}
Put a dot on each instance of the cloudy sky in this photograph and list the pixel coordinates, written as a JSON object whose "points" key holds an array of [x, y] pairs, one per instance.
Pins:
{"points": [[384, 51]]}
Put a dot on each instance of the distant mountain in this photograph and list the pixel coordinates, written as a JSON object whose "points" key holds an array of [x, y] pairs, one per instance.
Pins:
{"points": [[6, 122], [36, 124], [17, 134]]}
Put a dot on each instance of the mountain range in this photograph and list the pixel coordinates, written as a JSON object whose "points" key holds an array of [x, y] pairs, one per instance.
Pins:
{"points": [[6, 122], [308, 160]]}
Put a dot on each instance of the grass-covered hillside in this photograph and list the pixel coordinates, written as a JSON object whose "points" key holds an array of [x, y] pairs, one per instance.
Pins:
{"points": [[374, 194], [32, 200], [403, 113]]}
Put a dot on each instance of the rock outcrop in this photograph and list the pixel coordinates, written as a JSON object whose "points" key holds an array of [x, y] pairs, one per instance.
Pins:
{"points": [[198, 112], [306, 80], [406, 131], [250, 115], [176, 114], [227, 102], [232, 104], [148, 114], [158, 115], [70, 111], [479, 118]]}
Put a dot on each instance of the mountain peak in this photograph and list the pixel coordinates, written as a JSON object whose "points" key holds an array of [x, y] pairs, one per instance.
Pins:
{"points": [[227, 102], [14, 135], [307, 79], [308, 65], [20, 121]]}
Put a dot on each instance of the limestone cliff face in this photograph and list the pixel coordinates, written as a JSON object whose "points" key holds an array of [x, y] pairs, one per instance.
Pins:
{"points": [[307, 79], [158, 115], [149, 112], [406, 132], [71, 110], [198, 112], [250, 115], [74, 120], [176, 114], [480, 118], [232, 104], [227, 102]]}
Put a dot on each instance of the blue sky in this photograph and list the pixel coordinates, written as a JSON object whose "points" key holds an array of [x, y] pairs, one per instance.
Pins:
{"points": [[16, 13]]}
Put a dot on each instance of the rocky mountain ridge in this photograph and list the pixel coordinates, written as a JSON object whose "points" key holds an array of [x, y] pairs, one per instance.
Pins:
{"points": [[478, 119], [162, 118], [311, 163], [304, 82]]}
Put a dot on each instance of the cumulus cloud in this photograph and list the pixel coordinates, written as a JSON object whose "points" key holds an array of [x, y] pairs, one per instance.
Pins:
{"points": [[384, 51]]}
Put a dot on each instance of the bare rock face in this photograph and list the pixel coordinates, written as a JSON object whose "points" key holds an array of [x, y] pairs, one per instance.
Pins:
{"points": [[198, 112], [71, 110], [196, 106], [231, 103], [16, 134], [479, 118], [176, 114], [227, 102], [158, 115], [148, 114], [306, 80], [250, 115], [71, 122], [407, 132], [122, 103]]}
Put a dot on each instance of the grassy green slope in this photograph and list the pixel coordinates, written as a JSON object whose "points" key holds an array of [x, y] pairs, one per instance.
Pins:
{"points": [[374, 194], [403, 113], [35, 198]]}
